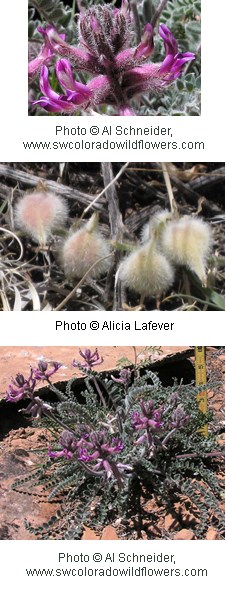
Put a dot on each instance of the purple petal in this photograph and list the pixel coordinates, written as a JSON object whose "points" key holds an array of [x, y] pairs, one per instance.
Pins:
{"points": [[65, 77], [146, 46], [45, 86], [169, 40]]}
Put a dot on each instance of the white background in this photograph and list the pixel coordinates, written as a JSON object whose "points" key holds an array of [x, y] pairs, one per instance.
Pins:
{"points": [[206, 328]]}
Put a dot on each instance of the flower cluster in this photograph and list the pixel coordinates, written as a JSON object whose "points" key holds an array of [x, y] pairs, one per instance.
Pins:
{"points": [[21, 388], [125, 377], [149, 420], [95, 451], [91, 359], [119, 72]]}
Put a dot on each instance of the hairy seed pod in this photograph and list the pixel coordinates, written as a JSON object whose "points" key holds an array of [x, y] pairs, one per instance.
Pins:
{"points": [[156, 224], [39, 213], [187, 241], [84, 248], [146, 271]]}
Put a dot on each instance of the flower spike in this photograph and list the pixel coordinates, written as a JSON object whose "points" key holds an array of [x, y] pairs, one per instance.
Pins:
{"points": [[118, 71]]}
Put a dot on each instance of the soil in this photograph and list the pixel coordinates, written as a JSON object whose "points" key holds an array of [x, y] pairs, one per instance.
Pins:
{"points": [[19, 439], [33, 279]]}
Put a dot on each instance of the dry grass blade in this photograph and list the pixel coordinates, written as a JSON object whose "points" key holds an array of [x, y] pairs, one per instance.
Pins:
{"points": [[113, 181], [72, 293], [34, 296], [15, 237], [17, 301], [5, 302]]}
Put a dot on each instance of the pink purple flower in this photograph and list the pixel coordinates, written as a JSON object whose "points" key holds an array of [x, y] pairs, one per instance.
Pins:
{"points": [[20, 388], [43, 372], [91, 359], [119, 72], [98, 451], [69, 445], [46, 53], [124, 377]]}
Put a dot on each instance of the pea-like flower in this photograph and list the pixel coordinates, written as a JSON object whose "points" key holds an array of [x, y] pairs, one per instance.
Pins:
{"points": [[45, 55], [69, 446], [20, 388], [124, 377], [37, 408], [150, 421], [91, 359], [98, 450], [43, 373], [119, 72], [149, 417]]}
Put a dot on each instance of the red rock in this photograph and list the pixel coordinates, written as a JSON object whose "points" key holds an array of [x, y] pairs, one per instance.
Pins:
{"points": [[16, 359], [210, 394], [169, 522], [109, 534], [184, 535], [89, 534], [211, 535]]}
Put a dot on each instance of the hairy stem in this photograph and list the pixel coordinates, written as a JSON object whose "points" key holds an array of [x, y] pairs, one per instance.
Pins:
{"points": [[158, 12]]}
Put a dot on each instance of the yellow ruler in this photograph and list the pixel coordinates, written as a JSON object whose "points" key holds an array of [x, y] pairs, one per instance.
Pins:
{"points": [[200, 379]]}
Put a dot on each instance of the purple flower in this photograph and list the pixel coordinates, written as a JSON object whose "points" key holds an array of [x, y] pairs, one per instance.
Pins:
{"points": [[119, 72], [42, 373], [98, 451], [59, 454], [148, 418], [91, 359], [69, 446], [20, 388], [124, 377], [179, 418], [37, 407], [46, 53]]}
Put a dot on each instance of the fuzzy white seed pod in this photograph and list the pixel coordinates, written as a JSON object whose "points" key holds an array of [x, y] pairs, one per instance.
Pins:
{"points": [[39, 213], [83, 249], [187, 242], [146, 271], [155, 224]]}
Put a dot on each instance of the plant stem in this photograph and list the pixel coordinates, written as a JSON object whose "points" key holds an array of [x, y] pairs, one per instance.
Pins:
{"points": [[158, 12], [99, 392], [173, 205], [165, 440], [136, 21]]}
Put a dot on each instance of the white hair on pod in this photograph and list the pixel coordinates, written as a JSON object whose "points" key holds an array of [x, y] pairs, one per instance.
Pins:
{"points": [[187, 241], [82, 249], [146, 271], [39, 213]]}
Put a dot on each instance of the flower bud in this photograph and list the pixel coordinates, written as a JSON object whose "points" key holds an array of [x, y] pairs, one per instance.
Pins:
{"points": [[187, 241], [83, 249], [39, 213], [146, 271]]}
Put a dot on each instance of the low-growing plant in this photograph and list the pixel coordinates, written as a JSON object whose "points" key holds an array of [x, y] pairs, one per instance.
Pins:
{"points": [[122, 439]]}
